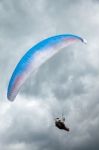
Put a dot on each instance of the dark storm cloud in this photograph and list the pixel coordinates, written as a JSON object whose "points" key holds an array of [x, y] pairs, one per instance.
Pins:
{"points": [[68, 83]]}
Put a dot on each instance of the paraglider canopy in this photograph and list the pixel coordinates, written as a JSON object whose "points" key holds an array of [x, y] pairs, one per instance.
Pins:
{"points": [[35, 57]]}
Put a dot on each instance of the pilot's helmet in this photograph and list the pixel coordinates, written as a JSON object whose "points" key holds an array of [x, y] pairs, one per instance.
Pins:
{"points": [[57, 119]]}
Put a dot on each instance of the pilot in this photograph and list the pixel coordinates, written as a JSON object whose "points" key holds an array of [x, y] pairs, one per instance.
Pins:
{"points": [[59, 123]]}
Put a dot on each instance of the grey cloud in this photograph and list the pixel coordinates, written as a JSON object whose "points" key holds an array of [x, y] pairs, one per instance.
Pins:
{"points": [[68, 83]]}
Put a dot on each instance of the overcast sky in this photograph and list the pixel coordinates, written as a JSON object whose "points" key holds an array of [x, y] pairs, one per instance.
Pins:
{"points": [[68, 83]]}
